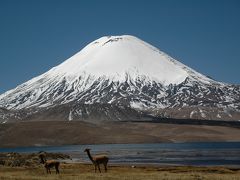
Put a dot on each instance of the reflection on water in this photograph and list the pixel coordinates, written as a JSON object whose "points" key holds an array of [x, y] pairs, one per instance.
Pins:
{"points": [[218, 153]]}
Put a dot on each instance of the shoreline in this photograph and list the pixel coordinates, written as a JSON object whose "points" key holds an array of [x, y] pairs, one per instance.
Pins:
{"points": [[163, 154], [150, 156], [160, 165]]}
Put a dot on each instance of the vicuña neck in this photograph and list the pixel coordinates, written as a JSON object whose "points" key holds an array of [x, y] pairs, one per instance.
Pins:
{"points": [[89, 155], [42, 159]]}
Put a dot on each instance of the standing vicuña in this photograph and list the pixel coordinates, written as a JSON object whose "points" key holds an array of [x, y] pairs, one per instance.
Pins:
{"points": [[96, 160], [48, 164]]}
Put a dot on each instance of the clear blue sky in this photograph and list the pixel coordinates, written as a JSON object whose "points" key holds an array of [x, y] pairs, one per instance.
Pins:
{"points": [[36, 35]]}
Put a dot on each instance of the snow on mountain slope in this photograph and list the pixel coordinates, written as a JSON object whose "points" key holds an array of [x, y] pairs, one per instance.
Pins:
{"points": [[123, 71], [114, 57]]}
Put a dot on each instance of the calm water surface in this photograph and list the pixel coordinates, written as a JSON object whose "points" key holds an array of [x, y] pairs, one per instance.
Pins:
{"points": [[214, 153]]}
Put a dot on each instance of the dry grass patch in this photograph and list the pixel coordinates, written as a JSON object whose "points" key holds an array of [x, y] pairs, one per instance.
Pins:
{"points": [[86, 172]]}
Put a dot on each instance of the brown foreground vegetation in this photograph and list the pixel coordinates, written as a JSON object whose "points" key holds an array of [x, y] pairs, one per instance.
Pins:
{"points": [[86, 172], [14, 159]]}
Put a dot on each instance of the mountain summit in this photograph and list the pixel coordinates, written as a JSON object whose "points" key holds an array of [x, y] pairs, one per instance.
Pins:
{"points": [[123, 77], [114, 57]]}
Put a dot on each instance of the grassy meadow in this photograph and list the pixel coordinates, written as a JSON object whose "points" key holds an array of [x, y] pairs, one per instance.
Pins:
{"points": [[86, 172]]}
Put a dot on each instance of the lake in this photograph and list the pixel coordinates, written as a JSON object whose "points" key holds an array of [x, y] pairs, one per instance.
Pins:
{"points": [[199, 153]]}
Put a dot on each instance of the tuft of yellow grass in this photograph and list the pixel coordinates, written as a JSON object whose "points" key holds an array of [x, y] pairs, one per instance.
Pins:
{"points": [[86, 172]]}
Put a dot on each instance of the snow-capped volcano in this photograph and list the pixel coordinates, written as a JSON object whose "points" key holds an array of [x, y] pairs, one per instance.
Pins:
{"points": [[124, 72]]}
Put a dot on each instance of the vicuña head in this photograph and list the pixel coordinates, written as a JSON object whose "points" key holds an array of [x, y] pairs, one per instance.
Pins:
{"points": [[48, 164], [97, 160]]}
